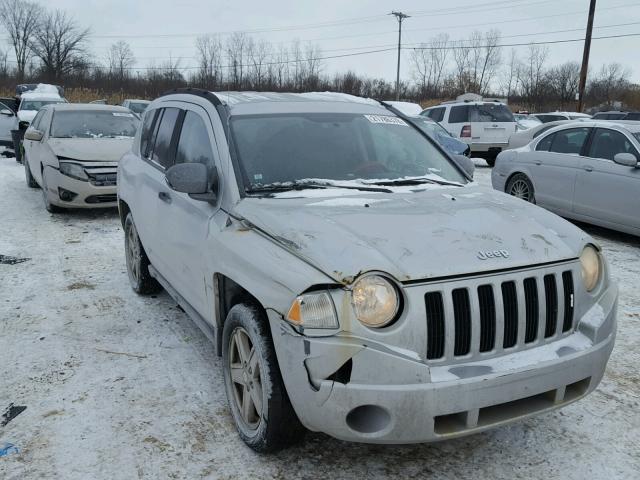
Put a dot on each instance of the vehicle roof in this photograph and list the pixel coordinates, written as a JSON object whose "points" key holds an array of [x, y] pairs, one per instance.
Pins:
{"points": [[468, 102], [137, 100], [630, 126], [40, 96], [573, 114], [86, 106]]}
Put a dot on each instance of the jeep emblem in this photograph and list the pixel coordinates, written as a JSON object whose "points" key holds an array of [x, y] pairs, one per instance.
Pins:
{"points": [[493, 254]]}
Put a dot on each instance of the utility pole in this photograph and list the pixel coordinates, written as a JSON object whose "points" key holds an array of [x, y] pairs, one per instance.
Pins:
{"points": [[585, 56], [400, 17]]}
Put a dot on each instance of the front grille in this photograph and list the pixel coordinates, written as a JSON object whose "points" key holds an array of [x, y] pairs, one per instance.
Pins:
{"points": [[103, 179], [506, 312], [106, 198]]}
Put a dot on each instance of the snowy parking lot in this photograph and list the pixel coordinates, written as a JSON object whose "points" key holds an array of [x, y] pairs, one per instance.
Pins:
{"points": [[121, 386]]}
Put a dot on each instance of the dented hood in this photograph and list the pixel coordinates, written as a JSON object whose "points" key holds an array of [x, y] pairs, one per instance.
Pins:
{"points": [[88, 149], [413, 236]]}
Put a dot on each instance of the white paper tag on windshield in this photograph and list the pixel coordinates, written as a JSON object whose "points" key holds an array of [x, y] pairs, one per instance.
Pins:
{"points": [[388, 119], [118, 114]]}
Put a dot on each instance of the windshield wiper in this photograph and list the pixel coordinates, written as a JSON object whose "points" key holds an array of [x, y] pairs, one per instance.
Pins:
{"points": [[302, 185], [413, 181]]}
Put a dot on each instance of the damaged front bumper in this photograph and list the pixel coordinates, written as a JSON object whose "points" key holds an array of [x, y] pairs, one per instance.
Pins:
{"points": [[357, 389]]}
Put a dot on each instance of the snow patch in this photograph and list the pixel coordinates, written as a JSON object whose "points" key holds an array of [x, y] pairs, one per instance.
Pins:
{"points": [[348, 202]]}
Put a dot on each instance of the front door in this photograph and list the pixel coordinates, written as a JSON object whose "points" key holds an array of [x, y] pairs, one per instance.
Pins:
{"points": [[605, 190]]}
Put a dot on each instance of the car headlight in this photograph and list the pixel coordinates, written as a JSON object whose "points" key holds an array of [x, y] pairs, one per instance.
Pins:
{"points": [[375, 301], [73, 170], [591, 267], [313, 310]]}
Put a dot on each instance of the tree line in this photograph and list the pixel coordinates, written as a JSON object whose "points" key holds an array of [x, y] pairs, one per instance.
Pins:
{"points": [[50, 46]]}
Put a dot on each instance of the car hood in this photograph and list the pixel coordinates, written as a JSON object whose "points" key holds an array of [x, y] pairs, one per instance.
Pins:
{"points": [[27, 115], [426, 234], [91, 149]]}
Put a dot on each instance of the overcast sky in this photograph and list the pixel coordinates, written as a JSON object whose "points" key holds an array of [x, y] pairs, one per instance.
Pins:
{"points": [[159, 29]]}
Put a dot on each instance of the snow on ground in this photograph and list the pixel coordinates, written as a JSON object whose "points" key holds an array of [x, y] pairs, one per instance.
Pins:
{"points": [[118, 386]]}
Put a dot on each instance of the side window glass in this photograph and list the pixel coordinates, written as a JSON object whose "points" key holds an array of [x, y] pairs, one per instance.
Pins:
{"points": [[459, 114], [38, 118], [542, 130], [194, 145], [163, 153], [438, 114], [569, 141], [147, 130], [545, 143], [608, 143]]}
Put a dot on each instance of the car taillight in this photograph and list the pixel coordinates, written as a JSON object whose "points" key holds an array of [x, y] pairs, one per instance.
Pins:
{"points": [[466, 131]]}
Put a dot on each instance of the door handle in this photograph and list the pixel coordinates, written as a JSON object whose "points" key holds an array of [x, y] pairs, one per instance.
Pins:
{"points": [[164, 196], [538, 162], [588, 168]]}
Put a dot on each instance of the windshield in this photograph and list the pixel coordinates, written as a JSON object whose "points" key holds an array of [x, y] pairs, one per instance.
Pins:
{"points": [[93, 124], [37, 104], [138, 107], [637, 135], [331, 146]]}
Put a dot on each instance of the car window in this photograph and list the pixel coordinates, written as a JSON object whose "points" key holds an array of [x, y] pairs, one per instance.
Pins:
{"points": [[632, 116], [194, 145], [550, 118], [490, 112], [148, 125], [569, 141], [459, 114], [437, 114], [608, 143], [163, 149], [545, 143]]}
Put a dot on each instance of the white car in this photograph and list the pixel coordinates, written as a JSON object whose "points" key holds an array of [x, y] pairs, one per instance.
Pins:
{"points": [[136, 106], [526, 121], [555, 116], [31, 101], [523, 137], [72, 152], [484, 125]]}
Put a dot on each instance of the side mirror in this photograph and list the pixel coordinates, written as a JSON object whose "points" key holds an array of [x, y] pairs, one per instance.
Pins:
{"points": [[33, 134], [7, 112], [193, 179], [626, 159], [466, 164]]}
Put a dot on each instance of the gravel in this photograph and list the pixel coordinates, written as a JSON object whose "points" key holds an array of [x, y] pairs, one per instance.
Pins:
{"points": [[121, 386]]}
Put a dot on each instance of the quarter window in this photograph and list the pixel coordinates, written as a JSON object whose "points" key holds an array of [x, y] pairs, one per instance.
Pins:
{"points": [[608, 143], [545, 143], [147, 131], [163, 147], [194, 145], [437, 114], [459, 114], [569, 141]]}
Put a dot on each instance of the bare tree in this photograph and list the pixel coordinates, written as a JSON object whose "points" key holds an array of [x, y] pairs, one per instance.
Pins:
{"points": [[21, 19], [258, 54], [236, 55], [209, 55], [489, 60], [509, 79], [610, 83], [462, 65], [564, 80], [531, 75], [59, 43], [120, 59]]}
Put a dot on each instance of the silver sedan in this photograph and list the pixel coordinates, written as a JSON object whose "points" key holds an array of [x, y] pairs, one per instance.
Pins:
{"points": [[587, 171]]}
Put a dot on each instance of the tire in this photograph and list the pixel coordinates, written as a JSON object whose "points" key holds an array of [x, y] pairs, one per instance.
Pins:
{"points": [[31, 182], [50, 207], [491, 161], [274, 424], [137, 261], [521, 187]]}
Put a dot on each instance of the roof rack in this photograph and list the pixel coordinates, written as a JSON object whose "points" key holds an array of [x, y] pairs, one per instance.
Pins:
{"points": [[200, 92]]}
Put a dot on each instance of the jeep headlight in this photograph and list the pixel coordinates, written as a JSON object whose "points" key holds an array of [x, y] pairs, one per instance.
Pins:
{"points": [[313, 310], [375, 301], [73, 170], [591, 262]]}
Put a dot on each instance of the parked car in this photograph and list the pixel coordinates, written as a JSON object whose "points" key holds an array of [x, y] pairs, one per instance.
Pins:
{"points": [[450, 143], [526, 121], [555, 116], [587, 172], [31, 103], [484, 126], [353, 279], [72, 153], [408, 108], [522, 137], [616, 115], [8, 122], [136, 106]]}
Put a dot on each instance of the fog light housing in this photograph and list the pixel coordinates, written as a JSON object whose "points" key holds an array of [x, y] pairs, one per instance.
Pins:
{"points": [[66, 195]]}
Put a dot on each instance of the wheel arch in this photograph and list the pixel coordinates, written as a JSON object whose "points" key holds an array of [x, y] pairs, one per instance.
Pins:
{"points": [[518, 172]]}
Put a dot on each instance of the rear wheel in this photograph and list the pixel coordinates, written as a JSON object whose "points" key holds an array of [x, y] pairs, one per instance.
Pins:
{"points": [[137, 261], [491, 161], [31, 182], [521, 187], [257, 397]]}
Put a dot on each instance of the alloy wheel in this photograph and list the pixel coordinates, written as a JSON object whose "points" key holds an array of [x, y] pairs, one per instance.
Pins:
{"points": [[244, 369], [520, 189], [133, 254]]}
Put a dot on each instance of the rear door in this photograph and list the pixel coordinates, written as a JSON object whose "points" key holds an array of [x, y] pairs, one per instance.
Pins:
{"points": [[491, 123], [605, 190], [555, 164]]}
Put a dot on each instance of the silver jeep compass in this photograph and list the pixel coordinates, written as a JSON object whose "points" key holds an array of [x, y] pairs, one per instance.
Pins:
{"points": [[353, 277]]}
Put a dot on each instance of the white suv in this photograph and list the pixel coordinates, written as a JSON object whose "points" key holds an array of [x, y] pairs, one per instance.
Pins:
{"points": [[485, 126]]}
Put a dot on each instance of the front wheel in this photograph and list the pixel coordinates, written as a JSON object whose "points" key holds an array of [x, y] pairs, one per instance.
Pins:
{"points": [[521, 187], [256, 394], [137, 261]]}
